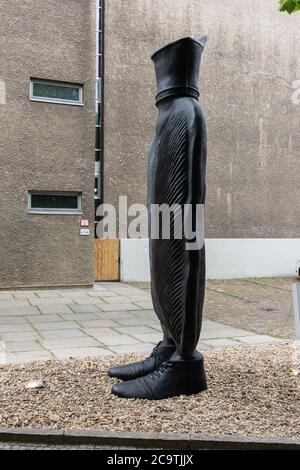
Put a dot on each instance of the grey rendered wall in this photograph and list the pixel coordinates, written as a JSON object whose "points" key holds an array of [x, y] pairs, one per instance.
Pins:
{"points": [[45, 146], [249, 66]]}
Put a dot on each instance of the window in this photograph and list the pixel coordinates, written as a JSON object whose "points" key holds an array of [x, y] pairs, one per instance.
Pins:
{"points": [[54, 203], [56, 92]]}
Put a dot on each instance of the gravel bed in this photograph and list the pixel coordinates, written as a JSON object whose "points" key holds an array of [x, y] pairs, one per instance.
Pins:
{"points": [[253, 391]]}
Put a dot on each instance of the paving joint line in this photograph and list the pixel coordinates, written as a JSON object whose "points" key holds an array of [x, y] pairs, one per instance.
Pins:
{"points": [[94, 338], [122, 326], [226, 293], [231, 326], [268, 285], [35, 329]]}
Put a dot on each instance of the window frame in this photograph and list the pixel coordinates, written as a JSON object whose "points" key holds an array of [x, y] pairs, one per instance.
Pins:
{"points": [[54, 211], [55, 100]]}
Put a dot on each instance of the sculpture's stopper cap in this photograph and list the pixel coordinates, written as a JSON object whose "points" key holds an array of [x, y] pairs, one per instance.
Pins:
{"points": [[177, 67]]}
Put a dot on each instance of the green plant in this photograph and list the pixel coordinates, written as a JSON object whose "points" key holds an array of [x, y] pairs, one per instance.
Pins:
{"points": [[291, 6]]}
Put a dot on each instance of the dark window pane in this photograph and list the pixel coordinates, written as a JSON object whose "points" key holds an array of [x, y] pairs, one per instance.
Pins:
{"points": [[55, 91], [54, 201]]}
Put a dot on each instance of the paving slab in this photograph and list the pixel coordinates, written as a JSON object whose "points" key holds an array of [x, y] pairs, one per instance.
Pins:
{"points": [[132, 348], [102, 293], [116, 318], [118, 299], [11, 304], [97, 323], [225, 332], [125, 290], [23, 345], [51, 302], [24, 296], [47, 294], [258, 339], [101, 332], [27, 356], [15, 327], [85, 308], [6, 296], [137, 321], [148, 337], [67, 343], [55, 309], [117, 340], [144, 305], [80, 352], [85, 301], [5, 319], [98, 285], [117, 307], [75, 293], [131, 330], [116, 315], [147, 301], [78, 316], [144, 314], [221, 342], [156, 326], [19, 311], [262, 305], [60, 334], [19, 336], [211, 324], [202, 346], [42, 318], [60, 325]]}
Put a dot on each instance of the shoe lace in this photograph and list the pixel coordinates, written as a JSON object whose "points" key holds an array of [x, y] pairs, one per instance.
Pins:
{"points": [[155, 349], [159, 371], [152, 354]]}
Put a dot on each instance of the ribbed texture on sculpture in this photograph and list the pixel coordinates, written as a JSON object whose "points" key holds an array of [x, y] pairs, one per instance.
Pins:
{"points": [[176, 178]]}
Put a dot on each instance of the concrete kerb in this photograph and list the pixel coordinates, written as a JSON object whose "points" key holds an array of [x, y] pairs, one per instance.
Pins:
{"points": [[157, 441]]}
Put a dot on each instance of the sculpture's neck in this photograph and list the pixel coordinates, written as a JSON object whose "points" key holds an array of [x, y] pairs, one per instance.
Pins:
{"points": [[177, 69]]}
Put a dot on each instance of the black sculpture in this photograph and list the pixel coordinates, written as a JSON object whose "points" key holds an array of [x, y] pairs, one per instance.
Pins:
{"points": [[176, 176]]}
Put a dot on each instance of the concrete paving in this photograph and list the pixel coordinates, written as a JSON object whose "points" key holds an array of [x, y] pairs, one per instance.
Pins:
{"points": [[111, 318], [262, 305]]}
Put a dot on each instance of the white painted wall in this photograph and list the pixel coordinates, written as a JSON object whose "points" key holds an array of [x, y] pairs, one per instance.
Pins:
{"points": [[296, 302], [226, 258], [134, 258]]}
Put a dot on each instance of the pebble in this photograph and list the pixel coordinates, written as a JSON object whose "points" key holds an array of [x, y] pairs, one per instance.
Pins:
{"points": [[35, 384]]}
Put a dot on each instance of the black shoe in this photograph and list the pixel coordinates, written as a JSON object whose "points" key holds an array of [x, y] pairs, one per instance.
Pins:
{"points": [[174, 377], [161, 353]]}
